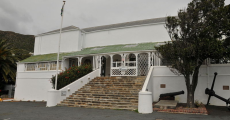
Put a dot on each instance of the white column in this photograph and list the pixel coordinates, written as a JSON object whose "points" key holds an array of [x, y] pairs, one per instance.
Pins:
{"points": [[111, 64], [62, 64], [153, 58], [79, 61], [124, 58], [136, 54], [100, 65], [96, 62], [93, 63], [149, 60]]}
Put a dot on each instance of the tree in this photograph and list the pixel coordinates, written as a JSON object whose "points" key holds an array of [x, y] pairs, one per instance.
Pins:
{"points": [[7, 62], [196, 34]]}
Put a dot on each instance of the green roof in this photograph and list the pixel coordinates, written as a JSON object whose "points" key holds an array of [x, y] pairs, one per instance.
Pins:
{"points": [[94, 50]]}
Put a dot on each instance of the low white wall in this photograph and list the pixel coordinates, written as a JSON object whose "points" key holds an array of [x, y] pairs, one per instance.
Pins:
{"points": [[174, 83], [55, 97], [32, 89], [33, 85]]}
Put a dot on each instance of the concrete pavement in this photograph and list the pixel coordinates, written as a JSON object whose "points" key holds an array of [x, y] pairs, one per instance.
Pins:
{"points": [[38, 111]]}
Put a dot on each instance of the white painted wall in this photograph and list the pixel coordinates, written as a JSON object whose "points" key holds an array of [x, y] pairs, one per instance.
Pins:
{"points": [[55, 97], [76, 40], [139, 34], [174, 83], [32, 85], [49, 43]]}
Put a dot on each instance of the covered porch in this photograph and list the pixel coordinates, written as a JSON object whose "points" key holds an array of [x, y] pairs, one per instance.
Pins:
{"points": [[117, 64]]}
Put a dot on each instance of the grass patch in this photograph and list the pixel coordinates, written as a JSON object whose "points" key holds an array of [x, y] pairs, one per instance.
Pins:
{"points": [[136, 111]]}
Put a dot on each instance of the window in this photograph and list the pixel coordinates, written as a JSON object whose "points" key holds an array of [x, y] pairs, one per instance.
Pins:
{"points": [[220, 61], [53, 65], [30, 67], [44, 66]]}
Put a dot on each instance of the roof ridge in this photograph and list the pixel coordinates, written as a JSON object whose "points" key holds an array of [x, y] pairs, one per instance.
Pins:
{"points": [[130, 23], [125, 22], [64, 28]]}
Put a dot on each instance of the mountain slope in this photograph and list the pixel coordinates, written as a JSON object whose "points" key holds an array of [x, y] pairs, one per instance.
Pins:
{"points": [[18, 41]]}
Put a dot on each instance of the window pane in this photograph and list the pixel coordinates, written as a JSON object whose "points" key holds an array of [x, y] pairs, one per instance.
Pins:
{"points": [[30, 67]]}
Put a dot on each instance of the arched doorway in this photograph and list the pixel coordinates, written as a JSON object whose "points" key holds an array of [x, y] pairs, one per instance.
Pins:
{"points": [[130, 60], [87, 61], [73, 62]]}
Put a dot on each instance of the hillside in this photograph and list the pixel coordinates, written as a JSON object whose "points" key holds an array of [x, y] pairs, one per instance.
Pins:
{"points": [[19, 41]]}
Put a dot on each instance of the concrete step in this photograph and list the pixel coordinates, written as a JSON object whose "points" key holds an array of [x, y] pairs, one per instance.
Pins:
{"points": [[107, 93]]}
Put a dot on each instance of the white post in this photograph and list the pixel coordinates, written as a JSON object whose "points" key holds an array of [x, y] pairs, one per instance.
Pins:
{"points": [[79, 61], [136, 54], [93, 63], [124, 59], [57, 67], [153, 59], [100, 65], [111, 64], [149, 60], [96, 57]]}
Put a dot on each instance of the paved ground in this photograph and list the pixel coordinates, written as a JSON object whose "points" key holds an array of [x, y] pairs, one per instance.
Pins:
{"points": [[38, 111]]}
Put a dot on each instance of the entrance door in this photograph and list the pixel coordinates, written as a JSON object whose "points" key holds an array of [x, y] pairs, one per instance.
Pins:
{"points": [[103, 65]]}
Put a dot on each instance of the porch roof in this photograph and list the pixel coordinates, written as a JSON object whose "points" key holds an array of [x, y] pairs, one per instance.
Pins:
{"points": [[94, 50]]}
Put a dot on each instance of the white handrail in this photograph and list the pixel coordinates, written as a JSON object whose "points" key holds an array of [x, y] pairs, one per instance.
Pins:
{"points": [[147, 79]]}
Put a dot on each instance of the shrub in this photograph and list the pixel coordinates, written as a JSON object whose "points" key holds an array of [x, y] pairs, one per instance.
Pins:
{"points": [[70, 75], [197, 103]]}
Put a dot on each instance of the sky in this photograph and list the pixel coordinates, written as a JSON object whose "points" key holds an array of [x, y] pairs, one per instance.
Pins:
{"points": [[38, 16]]}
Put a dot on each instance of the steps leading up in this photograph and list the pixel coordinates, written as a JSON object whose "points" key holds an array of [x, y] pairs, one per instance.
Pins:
{"points": [[107, 93]]}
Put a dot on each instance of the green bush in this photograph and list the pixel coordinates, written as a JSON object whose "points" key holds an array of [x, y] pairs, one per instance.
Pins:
{"points": [[70, 75]]}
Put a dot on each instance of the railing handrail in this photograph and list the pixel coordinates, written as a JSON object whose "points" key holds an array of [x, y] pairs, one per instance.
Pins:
{"points": [[147, 79]]}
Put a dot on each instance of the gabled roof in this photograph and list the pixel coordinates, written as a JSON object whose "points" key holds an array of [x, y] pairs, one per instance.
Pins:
{"points": [[58, 30], [132, 23], [94, 50]]}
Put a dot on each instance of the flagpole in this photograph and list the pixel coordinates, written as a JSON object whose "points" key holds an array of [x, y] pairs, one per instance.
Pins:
{"points": [[59, 42]]}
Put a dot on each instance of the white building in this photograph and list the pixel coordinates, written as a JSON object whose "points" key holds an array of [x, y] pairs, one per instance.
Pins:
{"points": [[130, 44]]}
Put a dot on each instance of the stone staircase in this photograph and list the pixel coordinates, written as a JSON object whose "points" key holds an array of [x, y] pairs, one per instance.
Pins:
{"points": [[108, 93]]}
